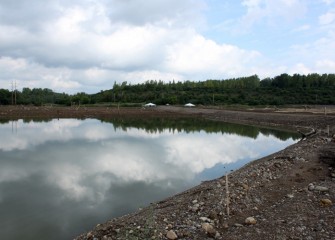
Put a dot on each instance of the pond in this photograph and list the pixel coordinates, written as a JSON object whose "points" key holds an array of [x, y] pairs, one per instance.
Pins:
{"points": [[59, 178]]}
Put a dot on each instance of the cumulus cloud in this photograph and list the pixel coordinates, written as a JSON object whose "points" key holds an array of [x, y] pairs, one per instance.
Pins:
{"points": [[95, 44], [87, 45], [196, 55]]}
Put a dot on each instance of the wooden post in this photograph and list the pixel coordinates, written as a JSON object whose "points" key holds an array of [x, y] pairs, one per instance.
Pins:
{"points": [[227, 195]]}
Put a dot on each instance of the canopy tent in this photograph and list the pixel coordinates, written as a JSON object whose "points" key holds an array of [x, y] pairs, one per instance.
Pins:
{"points": [[150, 105], [189, 105]]}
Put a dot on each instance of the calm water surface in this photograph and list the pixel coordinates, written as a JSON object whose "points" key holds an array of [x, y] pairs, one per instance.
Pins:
{"points": [[59, 178]]}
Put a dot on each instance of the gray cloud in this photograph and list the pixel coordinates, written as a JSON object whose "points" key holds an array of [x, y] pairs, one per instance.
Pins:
{"points": [[156, 12], [84, 45]]}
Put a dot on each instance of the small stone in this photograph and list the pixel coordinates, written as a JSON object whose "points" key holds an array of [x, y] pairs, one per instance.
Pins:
{"points": [[238, 225], [209, 229], [326, 202], [250, 221], [194, 209], [194, 201], [290, 195], [245, 186], [131, 231], [213, 215], [205, 219], [225, 225], [311, 187], [321, 189], [89, 235], [171, 235]]}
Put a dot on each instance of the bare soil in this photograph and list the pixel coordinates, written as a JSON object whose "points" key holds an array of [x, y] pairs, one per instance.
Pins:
{"points": [[287, 195]]}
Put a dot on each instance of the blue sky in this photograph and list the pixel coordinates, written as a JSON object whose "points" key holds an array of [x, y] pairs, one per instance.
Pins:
{"points": [[85, 45]]}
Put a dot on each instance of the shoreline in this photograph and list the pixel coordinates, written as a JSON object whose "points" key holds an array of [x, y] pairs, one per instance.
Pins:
{"points": [[276, 193]]}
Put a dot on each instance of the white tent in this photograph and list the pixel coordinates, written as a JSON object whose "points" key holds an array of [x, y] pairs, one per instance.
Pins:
{"points": [[150, 105], [189, 105]]}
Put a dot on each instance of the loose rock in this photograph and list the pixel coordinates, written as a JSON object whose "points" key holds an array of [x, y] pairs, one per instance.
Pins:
{"points": [[250, 221], [171, 235], [321, 189], [205, 219], [209, 229], [89, 235], [326, 202]]}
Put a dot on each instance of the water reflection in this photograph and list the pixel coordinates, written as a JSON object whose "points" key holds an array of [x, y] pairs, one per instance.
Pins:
{"points": [[59, 178]]}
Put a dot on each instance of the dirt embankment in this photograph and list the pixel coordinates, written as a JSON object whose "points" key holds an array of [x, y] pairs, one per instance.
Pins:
{"points": [[287, 195], [291, 118]]}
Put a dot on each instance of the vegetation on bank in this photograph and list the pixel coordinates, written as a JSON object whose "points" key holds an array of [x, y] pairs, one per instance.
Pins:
{"points": [[283, 89]]}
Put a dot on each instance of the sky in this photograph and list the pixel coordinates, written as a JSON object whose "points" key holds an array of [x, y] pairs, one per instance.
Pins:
{"points": [[87, 45]]}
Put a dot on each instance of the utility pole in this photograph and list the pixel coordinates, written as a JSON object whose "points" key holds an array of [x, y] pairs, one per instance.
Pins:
{"points": [[12, 93], [15, 92]]}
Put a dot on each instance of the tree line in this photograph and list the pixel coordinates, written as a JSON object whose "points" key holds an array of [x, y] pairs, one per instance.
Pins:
{"points": [[282, 89]]}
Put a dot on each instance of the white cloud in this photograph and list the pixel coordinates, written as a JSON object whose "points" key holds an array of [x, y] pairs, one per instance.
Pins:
{"points": [[70, 52], [271, 11], [327, 18], [328, 2], [326, 65], [300, 68], [11, 64], [87, 45], [302, 28], [198, 55]]}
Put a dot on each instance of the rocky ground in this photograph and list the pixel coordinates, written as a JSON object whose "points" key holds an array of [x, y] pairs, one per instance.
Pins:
{"points": [[287, 195]]}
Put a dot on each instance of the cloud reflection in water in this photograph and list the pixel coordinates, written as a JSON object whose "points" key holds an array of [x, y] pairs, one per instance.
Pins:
{"points": [[59, 178]]}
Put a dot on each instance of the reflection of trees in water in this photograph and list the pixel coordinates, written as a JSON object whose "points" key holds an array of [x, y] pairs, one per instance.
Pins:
{"points": [[27, 120], [158, 125], [14, 122], [14, 126]]}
